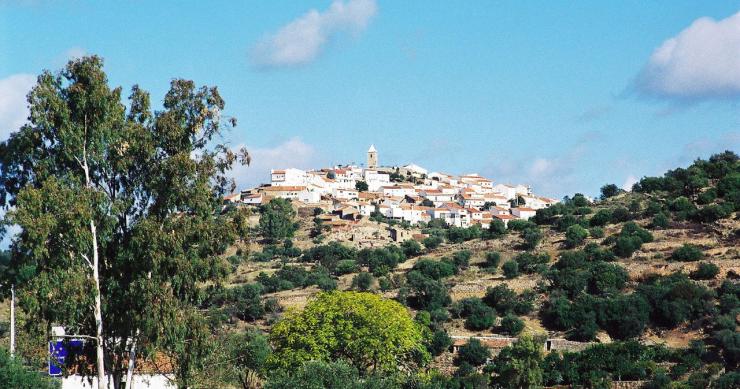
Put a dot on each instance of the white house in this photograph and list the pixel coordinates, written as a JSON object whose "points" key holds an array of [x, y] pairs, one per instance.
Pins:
{"points": [[511, 191], [345, 194], [523, 212], [375, 179], [285, 192], [505, 218], [398, 191], [252, 198], [288, 177], [415, 169], [538, 202]]}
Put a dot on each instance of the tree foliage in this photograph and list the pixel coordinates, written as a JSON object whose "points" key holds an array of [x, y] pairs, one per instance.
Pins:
{"points": [[371, 333], [117, 202], [277, 220]]}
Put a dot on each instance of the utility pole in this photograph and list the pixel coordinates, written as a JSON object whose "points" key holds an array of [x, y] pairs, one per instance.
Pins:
{"points": [[12, 320]]}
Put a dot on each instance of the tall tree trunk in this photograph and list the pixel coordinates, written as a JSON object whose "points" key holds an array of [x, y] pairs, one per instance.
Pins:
{"points": [[131, 362], [100, 360], [95, 264]]}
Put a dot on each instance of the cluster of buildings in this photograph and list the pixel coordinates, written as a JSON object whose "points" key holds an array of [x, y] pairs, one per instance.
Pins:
{"points": [[406, 193]]}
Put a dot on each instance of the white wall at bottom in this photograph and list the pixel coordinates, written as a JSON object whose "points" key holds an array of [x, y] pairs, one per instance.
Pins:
{"points": [[141, 381]]}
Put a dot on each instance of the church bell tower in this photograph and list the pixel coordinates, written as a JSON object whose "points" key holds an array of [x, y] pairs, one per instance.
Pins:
{"points": [[372, 157]]}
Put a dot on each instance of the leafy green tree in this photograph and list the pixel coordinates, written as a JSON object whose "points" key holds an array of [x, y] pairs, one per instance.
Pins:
{"points": [[579, 200], [660, 220], [518, 365], [14, 375], [432, 242], [371, 333], [496, 229], [120, 207], [705, 271], [575, 235], [601, 218], [363, 281], [346, 266], [729, 380], [479, 316], [609, 190], [329, 255], [607, 278], [505, 300], [675, 299], [687, 253], [512, 325], [440, 342], [428, 293], [361, 186], [277, 220], [240, 359], [531, 263], [596, 232], [532, 237], [624, 316], [493, 259], [511, 269], [326, 375], [461, 259], [630, 239], [435, 270], [411, 248], [473, 353]]}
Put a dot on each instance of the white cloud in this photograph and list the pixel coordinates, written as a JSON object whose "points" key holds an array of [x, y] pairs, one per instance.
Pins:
{"points": [[13, 107], [628, 182], [291, 153], [702, 62], [302, 40]]}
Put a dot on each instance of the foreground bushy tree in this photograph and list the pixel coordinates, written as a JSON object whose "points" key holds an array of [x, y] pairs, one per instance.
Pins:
{"points": [[14, 375], [371, 333], [327, 375], [277, 220], [119, 207], [518, 365], [473, 353]]}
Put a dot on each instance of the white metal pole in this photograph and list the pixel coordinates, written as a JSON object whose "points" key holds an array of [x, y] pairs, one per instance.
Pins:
{"points": [[12, 320]]}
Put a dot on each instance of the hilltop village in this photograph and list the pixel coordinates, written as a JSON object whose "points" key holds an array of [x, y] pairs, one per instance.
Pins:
{"points": [[402, 193]]}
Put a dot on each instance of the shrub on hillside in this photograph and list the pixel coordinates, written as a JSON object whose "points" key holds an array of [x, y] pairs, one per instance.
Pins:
{"points": [[575, 235], [473, 353], [478, 315], [496, 229], [532, 237], [362, 281], [532, 263], [687, 253], [596, 232], [411, 248], [510, 269], [433, 269], [505, 300], [346, 266], [512, 325], [432, 242], [705, 271], [493, 259]]}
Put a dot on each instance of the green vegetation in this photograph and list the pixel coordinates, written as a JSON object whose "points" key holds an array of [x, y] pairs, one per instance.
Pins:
{"points": [[14, 375], [277, 220], [368, 332], [687, 253]]}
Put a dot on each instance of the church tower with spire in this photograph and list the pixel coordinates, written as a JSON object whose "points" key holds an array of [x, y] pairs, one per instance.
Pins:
{"points": [[372, 157]]}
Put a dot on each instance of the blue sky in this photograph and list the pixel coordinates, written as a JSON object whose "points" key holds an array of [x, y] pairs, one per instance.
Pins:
{"points": [[565, 96]]}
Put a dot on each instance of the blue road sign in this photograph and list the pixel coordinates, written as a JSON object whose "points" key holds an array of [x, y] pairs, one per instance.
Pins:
{"points": [[59, 350]]}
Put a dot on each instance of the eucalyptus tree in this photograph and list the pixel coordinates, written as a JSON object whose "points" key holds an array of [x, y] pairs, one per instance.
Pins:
{"points": [[120, 211]]}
